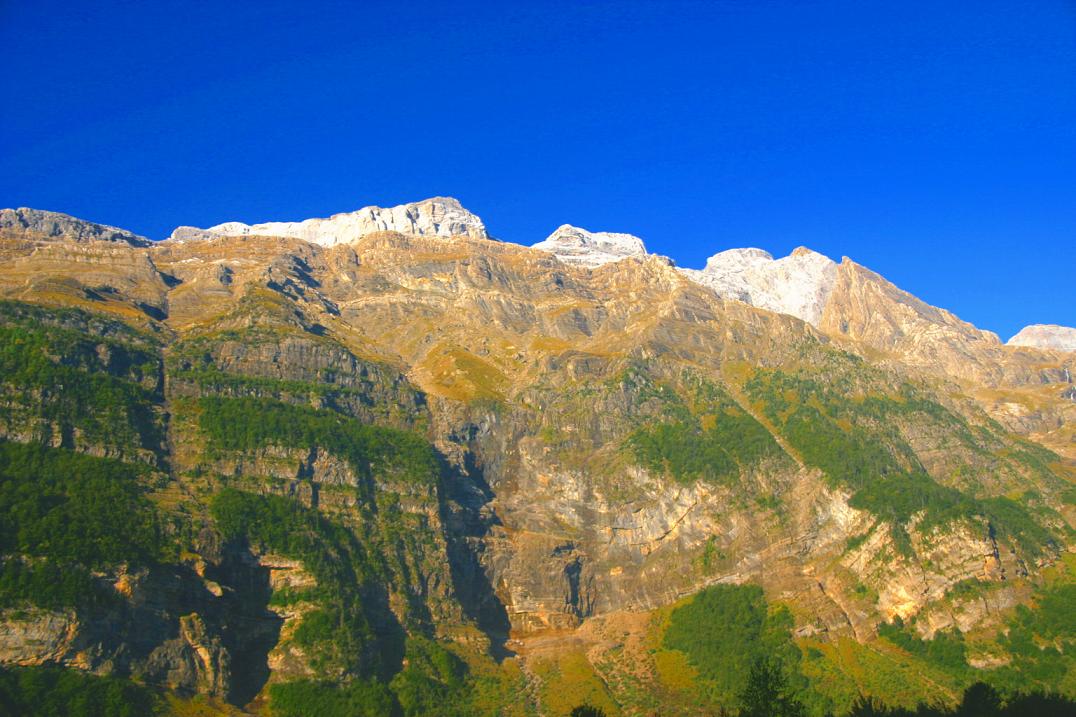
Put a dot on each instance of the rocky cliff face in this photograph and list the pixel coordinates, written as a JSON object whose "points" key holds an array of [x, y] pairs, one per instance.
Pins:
{"points": [[799, 284], [573, 245], [439, 216], [42, 226], [502, 447], [1045, 336]]}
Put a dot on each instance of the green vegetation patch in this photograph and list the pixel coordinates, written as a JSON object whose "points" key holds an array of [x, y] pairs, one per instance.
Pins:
{"points": [[243, 424], [435, 682], [706, 437], [51, 585], [724, 630], [358, 698], [109, 328], [61, 379], [56, 692], [63, 514], [68, 506], [1041, 639], [1037, 640], [945, 650], [350, 637], [371, 385], [853, 440], [337, 635]]}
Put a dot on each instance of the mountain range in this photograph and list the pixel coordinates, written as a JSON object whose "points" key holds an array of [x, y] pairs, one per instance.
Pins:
{"points": [[386, 464]]}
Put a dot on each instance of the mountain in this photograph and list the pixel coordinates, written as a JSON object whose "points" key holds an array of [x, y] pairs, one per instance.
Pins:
{"points": [[1045, 336], [401, 472], [573, 245], [798, 284], [438, 216], [53, 225]]}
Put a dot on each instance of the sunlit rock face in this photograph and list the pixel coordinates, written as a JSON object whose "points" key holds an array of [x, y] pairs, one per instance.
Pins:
{"points": [[1045, 336], [53, 225], [573, 245], [798, 284], [438, 216]]}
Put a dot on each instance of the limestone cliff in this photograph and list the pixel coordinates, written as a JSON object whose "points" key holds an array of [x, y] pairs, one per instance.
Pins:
{"points": [[439, 216], [1045, 336], [578, 246]]}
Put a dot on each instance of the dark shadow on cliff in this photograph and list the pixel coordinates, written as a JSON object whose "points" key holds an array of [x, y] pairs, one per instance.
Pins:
{"points": [[463, 496], [251, 629]]}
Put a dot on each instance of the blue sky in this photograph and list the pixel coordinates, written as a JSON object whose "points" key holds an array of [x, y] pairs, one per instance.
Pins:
{"points": [[934, 141]]}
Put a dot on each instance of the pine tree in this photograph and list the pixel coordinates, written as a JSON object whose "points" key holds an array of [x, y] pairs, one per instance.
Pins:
{"points": [[767, 693]]}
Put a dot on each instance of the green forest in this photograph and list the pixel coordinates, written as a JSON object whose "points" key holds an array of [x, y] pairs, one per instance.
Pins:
{"points": [[63, 514], [238, 424], [63, 381]]}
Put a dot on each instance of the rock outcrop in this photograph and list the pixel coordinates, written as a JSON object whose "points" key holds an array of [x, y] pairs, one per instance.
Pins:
{"points": [[798, 284], [53, 225], [1045, 336], [438, 216], [573, 245]]}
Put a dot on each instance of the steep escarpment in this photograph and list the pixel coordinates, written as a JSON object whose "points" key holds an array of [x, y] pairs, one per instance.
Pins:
{"points": [[408, 471]]}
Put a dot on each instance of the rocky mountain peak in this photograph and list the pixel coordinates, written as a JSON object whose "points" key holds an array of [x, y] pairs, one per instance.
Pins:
{"points": [[798, 284], [579, 246], [63, 226], [437, 216], [1045, 336], [736, 260]]}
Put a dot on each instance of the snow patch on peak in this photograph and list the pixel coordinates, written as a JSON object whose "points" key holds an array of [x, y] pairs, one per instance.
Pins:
{"points": [[798, 284], [1045, 336], [437, 216], [579, 246]]}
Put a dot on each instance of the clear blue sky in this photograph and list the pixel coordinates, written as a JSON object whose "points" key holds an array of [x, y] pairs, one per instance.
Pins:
{"points": [[932, 141]]}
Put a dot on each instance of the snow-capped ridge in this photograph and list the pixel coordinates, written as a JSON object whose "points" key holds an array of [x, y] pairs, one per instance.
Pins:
{"points": [[574, 245], [437, 216]]}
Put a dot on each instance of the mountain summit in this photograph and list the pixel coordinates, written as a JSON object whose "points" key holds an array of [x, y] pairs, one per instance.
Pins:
{"points": [[799, 284], [1045, 336], [437, 216], [579, 246], [57, 226]]}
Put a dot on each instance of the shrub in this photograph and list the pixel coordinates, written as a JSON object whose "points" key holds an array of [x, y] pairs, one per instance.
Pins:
{"points": [[57, 375], [72, 507], [338, 634]]}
